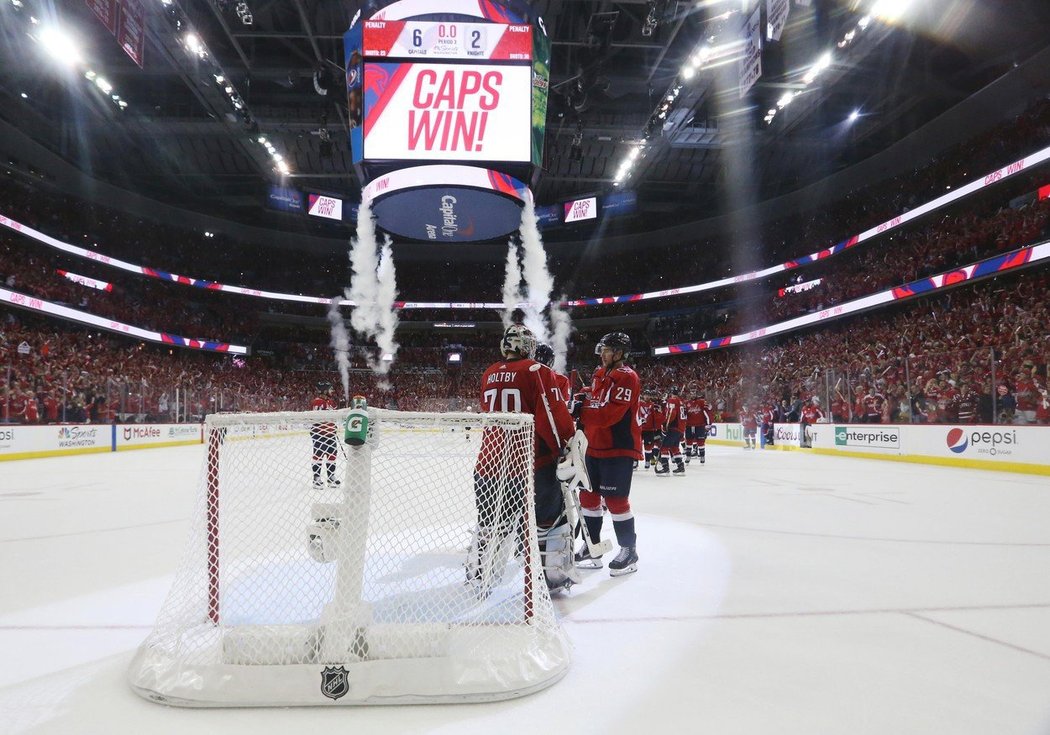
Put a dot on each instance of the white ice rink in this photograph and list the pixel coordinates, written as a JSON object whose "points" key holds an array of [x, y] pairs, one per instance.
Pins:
{"points": [[777, 593]]}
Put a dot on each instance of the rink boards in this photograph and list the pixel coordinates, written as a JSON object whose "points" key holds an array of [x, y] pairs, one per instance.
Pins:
{"points": [[28, 442], [1004, 448]]}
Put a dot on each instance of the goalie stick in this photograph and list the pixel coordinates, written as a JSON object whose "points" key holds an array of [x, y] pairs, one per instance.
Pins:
{"points": [[576, 458]]}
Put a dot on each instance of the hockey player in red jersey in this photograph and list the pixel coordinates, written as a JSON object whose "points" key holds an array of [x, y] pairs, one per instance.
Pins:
{"points": [[749, 422], [519, 384], [697, 421], [323, 437], [562, 389], [659, 421], [650, 418], [609, 415], [767, 417], [674, 430], [811, 414]]}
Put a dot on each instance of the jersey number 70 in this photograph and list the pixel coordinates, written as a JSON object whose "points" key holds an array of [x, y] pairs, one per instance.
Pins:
{"points": [[509, 400]]}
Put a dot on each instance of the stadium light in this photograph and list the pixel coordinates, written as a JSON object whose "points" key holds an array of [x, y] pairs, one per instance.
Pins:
{"points": [[60, 45], [889, 10], [194, 44], [854, 115]]}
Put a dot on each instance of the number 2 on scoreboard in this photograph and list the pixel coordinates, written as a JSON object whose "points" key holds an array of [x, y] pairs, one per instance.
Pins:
{"points": [[475, 39]]}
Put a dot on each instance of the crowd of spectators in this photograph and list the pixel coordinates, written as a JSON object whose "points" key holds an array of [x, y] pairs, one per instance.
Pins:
{"points": [[978, 230], [976, 354], [142, 302], [983, 346], [579, 272], [988, 344]]}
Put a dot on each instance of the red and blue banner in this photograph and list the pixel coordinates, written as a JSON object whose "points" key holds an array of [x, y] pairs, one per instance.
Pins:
{"points": [[974, 272]]}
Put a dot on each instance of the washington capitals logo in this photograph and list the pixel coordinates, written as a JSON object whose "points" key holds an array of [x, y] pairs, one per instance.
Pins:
{"points": [[334, 682]]}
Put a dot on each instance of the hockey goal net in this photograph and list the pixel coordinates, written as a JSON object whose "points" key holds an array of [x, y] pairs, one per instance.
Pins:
{"points": [[411, 574]]}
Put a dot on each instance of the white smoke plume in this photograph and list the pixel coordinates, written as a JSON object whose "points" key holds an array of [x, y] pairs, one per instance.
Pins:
{"points": [[386, 295], [340, 345], [511, 284], [538, 281], [561, 330], [373, 288], [555, 327]]}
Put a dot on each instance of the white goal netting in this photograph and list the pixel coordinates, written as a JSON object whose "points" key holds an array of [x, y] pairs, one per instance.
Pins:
{"points": [[403, 570]]}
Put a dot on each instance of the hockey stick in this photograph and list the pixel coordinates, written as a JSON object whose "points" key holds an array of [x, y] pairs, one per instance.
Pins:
{"points": [[571, 499]]}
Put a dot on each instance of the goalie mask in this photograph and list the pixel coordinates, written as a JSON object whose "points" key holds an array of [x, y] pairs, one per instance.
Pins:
{"points": [[614, 341], [518, 341]]}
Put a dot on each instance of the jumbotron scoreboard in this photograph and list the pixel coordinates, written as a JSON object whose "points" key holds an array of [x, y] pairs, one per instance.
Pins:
{"points": [[448, 114]]}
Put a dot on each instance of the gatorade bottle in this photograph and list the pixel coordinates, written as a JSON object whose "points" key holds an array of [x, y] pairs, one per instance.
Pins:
{"points": [[355, 430]]}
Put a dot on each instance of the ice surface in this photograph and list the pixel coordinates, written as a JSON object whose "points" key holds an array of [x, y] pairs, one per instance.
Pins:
{"points": [[777, 593]]}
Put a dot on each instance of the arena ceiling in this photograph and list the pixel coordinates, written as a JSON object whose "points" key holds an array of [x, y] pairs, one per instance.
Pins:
{"points": [[179, 139]]}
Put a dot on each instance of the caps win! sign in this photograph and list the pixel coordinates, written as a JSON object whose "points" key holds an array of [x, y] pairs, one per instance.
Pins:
{"points": [[581, 209], [325, 206], [447, 112]]}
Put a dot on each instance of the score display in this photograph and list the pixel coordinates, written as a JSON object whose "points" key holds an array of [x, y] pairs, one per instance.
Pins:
{"points": [[447, 111], [449, 40]]}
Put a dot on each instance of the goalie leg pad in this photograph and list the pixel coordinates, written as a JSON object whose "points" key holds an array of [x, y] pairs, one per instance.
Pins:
{"points": [[487, 558], [559, 569], [321, 533], [550, 501]]}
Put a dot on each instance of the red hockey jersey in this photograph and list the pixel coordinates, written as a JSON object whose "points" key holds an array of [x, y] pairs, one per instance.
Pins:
{"points": [[811, 414], [677, 414], [646, 416], [610, 415], [324, 403], [562, 388], [698, 412], [516, 386]]}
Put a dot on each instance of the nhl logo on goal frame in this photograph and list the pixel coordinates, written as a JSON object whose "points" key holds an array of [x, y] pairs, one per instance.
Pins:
{"points": [[335, 682]]}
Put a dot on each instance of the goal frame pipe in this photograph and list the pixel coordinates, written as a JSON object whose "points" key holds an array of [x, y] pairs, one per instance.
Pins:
{"points": [[215, 436]]}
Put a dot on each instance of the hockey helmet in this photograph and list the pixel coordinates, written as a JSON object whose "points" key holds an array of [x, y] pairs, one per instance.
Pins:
{"points": [[518, 341], [614, 341], [544, 354]]}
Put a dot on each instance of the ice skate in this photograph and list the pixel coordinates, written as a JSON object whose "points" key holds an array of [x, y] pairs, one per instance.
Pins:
{"points": [[625, 562]]}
